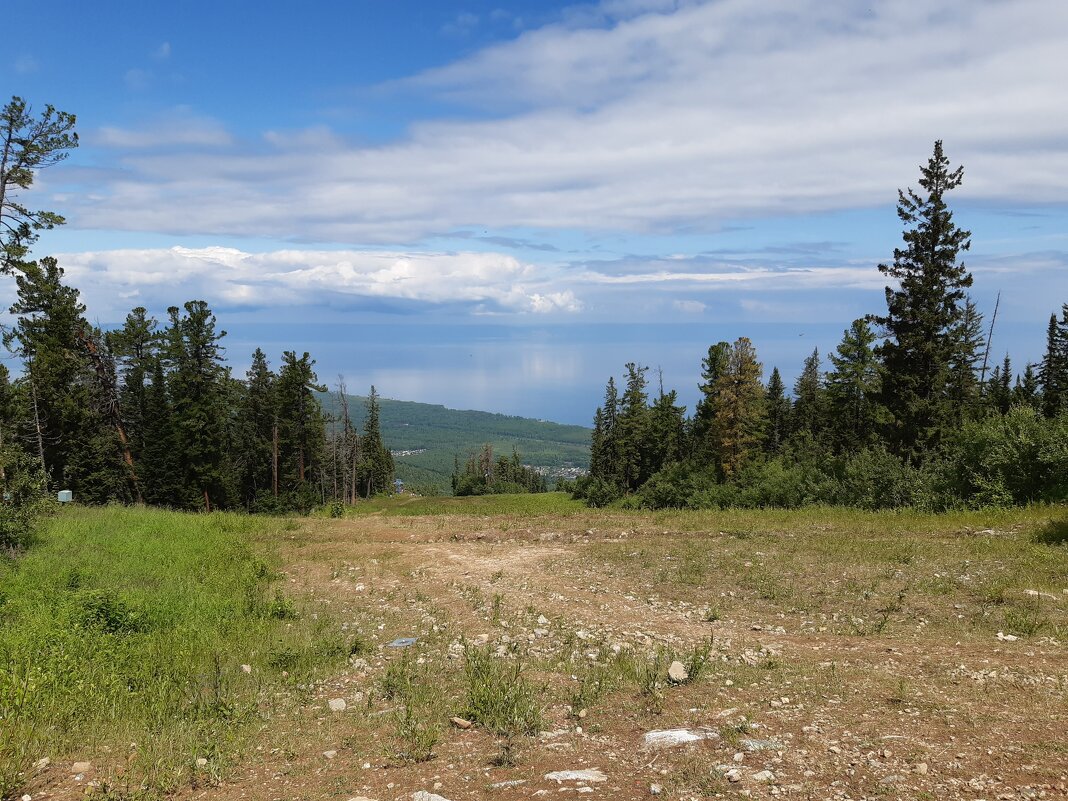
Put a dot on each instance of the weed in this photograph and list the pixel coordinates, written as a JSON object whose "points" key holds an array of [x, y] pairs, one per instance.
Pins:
{"points": [[732, 733], [900, 694], [280, 608], [1026, 621], [418, 731], [498, 605], [499, 697], [698, 660]]}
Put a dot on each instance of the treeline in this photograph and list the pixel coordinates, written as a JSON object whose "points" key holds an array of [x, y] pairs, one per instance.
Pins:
{"points": [[149, 413], [909, 413], [482, 475]]}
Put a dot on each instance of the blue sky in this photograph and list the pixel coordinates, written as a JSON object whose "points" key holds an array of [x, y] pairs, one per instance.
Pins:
{"points": [[495, 205]]}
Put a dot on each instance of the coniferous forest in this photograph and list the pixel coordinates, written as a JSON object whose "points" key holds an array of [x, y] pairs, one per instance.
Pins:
{"points": [[908, 411], [149, 412]]}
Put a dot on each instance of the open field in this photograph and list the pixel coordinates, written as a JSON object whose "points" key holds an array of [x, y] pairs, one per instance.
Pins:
{"points": [[831, 654]]}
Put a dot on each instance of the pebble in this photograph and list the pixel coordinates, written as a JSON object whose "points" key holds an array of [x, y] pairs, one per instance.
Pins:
{"points": [[246, 668], [656, 789], [461, 723], [80, 767], [733, 775], [337, 705], [330, 754], [423, 795], [668, 738], [764, 776], [202, 762]]}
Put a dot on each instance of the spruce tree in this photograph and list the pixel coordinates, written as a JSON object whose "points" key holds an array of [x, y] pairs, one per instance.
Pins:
{"points": [[778, 408], [301, 434], [1053, 371], [159, 465], [967, 342], [666, 430], [923, 312], [604, 447], [257, 419], [852, 388], [740, 414], [633, 427], [809, 415], [376, 469], [712, 367]]}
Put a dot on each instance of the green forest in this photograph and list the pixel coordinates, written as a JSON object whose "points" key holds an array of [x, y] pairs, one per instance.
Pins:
{"points": [[911, 412]]}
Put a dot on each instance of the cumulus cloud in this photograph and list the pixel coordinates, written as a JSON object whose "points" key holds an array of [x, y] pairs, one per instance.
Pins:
{"points": [[157, 278], [655, 116]]}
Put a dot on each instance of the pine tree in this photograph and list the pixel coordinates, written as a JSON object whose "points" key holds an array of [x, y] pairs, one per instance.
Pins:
{"points": [[999, 389], [134, 347], [376, 464], [923, 312], [666, 430], [852, 388], [740, 414], [712, 367], [633, 427], [809, 415], [161, 471], [967, 345], [198, 395], [257, 419], [301, 434], [604, 446], [1026, 391], [778, 408], [1053, 371]]}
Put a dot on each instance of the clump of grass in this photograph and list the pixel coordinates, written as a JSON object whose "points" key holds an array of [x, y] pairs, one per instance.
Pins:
{"points": [[499, 697], [698, 660], [649, 672], [418, 719], [133, 625]]}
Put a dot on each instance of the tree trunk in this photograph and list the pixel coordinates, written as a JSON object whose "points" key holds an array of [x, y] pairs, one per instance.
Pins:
{"points": [[274, 461]]}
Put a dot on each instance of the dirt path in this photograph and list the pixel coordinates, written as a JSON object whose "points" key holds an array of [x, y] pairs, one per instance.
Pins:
{"points": [[798, 699]]}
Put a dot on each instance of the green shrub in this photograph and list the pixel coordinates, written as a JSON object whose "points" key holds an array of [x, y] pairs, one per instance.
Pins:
{"points": [[499, 696]]}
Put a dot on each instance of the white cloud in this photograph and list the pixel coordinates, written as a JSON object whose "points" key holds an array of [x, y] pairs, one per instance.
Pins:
{"points": [[26, 64], [157, 278], [669, 115]]}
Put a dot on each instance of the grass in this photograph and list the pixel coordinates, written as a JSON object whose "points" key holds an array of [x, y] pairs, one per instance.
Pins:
{"points": [[155, 638], [522, 505]]}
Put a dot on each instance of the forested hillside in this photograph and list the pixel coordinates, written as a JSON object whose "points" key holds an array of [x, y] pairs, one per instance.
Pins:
{"points": [[426, 439]]}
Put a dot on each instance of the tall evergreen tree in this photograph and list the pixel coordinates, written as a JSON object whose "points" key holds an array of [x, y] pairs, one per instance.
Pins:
{"points": [[712, 367], [923, 312], [1026, 391], [633, 427], [376, 463], [604, 446], [1053, 371], [809, 415], [257, 421], [853, 387], [301, 434], [999, 389], [198, 395], [134, 348], [778, 408], [666, 430], [966, 340], [740, 414], [159, 465]]}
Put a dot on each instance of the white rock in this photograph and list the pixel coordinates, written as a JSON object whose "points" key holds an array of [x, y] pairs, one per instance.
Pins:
{"points": [[677, 672], [669, 738], [733, 775], [765, 776], [331, 754], [656, 789], [80, 767], [337, 705], [423, 795], [588, 775], [246, 668], [202, 762]]}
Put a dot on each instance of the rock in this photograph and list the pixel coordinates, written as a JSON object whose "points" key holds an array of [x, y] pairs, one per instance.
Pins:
{"points": [[655, 789], [80, 767], [460, 723], [1007, 637], [202, 762], [733, 775], [762, 745], [892, 779], [669, 738], [423, 795], [677, 672], [330, 754], [41, 764], [337, 705], [921, 768], [506, 784], [246, 668], [361, 798], [587, 775], [542, 620], [764, 776]]}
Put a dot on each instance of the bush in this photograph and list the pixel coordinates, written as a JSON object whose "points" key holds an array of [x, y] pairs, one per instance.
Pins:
{"points": [[595, 491], [23, 501], [1016, 458]]}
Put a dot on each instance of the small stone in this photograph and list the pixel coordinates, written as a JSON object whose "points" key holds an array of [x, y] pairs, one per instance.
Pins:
{"points": [[677, 672], [41, 764], [423, 795], [542, 620], [80, 767], [588, 775], [246, 668], [921, 768], [202, 762], [764, 776], [461, 723], [337, 704], [331, 754], [655, 789], [582, 714], [27, 798], [733, 775]]}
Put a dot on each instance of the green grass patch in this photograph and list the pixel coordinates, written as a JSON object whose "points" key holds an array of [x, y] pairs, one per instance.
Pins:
{"points": [[123, 627]]}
